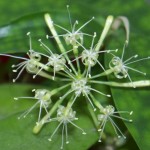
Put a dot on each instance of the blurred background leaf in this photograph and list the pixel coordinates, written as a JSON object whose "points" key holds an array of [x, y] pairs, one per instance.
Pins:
{"points": [[136, 100], [17, 134]]}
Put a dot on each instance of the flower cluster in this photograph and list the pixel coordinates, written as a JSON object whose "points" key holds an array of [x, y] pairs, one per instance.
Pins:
{"points": [[75, 74]]}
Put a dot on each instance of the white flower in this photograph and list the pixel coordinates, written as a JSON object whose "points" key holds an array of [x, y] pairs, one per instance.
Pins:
{"points": [[71, 37], [30, 64], [80, 86], [106, 115], [121, 67], [90, 56], [57, 61], [43, 98], [65, 116]]}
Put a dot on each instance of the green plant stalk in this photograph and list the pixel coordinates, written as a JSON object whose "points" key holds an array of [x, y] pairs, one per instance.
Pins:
{"points": [[93, 115], [75, 51], [49, 23], [107, 26], [138, 84], [97, 104], [54, 91], [105, 73], [39, 126]]}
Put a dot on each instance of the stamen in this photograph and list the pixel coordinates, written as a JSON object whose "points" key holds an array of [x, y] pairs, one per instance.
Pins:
{"points": [[138, 60], [131, 112], [125, 44], [90, 101], [130, 80], [67, 141], [99, 92], [50, 139], [100, 65], [113, 123], [70, 91], [135, 56], [34, 76], [62, 143], [73, 100], [93, 40], [33, 90], [115, 129], [75, 59], [47, 48], [128, 120], [62, 28], [30, 43], [69, 17], [136, 70], [47, 36], [85, 24], [66, 52], [86, 34], [69, 74], [28, 111], [14, 80], [88, 72], [54, 73], [73, 29], [13, 56], [83, 132], [102, 129], [19, 66]]}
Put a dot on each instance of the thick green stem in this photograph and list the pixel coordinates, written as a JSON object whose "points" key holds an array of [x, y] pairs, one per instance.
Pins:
{"points": [[43, 66], [137, 84], [93, 115], [54, 33], [69, 105], [105, 73], [54, 91], [75, 51], [96, 102], [44, 74], [107, 26], [50, 25]]}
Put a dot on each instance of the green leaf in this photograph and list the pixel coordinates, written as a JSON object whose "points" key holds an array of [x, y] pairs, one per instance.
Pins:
{"points": [[17, 134], [8, 106], [13, 37], [130, 99]]}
